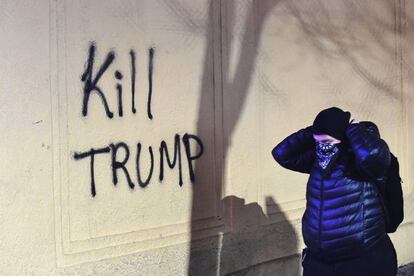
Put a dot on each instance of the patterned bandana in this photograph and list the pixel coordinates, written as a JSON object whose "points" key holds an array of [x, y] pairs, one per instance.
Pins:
{"points": [[325, 152]]}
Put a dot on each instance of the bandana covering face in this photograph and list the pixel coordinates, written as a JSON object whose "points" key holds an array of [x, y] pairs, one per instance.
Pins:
{"points": [[325, 152]]}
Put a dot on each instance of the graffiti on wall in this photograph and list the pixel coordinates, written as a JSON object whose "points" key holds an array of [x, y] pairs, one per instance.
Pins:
{"points": [[173, 159]]}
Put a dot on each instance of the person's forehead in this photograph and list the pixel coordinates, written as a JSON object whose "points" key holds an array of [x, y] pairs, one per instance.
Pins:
{"points": [[323, 137]]}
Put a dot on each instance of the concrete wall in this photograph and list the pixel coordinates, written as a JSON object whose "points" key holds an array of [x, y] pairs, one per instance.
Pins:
{"points": [[219, 83]]}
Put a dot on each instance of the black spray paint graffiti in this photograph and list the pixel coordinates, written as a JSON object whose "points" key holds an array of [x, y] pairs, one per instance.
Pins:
{"points": [[91, 82], [117, 165], [91, 85]]}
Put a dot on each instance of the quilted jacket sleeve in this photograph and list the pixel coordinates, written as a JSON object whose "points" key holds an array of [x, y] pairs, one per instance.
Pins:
{"points": [[297, 151], [372, 155]]}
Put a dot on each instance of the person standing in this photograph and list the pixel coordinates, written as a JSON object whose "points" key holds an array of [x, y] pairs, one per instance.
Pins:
{"points": [[343, 225]]}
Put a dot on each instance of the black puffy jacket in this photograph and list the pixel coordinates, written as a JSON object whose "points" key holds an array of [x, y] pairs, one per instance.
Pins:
{"points": [[344, 216]]}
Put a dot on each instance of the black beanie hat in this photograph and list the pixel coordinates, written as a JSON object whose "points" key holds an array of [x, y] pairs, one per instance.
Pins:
{"points": [[332, 121]]}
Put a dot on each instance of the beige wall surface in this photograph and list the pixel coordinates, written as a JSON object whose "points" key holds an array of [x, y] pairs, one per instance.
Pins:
{"points": [[137, 134]]}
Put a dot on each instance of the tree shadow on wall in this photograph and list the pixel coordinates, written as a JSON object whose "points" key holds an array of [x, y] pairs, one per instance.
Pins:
{"points": [[255, 239], [323, 31], [250, 236], [379, 22]]}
